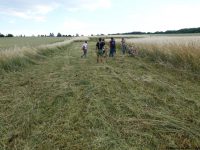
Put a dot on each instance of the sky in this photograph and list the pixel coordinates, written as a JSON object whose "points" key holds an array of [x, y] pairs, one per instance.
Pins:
{"points": [[87, 17]]}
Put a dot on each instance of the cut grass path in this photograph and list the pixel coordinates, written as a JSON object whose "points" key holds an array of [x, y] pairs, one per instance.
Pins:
{"points": [[65, 102]]}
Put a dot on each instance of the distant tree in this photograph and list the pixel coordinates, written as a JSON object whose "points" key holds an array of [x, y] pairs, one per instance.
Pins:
{"points": [[92, 35], [69, 35], [59, 35], [77, 35], [51, 35], [1, 35], [9, 35]]}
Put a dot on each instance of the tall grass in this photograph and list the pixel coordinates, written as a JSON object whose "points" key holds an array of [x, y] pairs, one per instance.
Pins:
{"points": [[74, 103], [19, 42], [183, 52], [13, 58]]}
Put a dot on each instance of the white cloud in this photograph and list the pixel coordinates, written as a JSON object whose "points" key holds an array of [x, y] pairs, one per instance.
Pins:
{"points": [[12, 21], [87, 5], [38, 10], [73, 26], [94, 5], [35, 12], [170, 17]]}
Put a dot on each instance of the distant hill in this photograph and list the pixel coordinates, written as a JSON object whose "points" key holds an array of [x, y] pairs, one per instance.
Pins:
{"points": [[181, 31]]}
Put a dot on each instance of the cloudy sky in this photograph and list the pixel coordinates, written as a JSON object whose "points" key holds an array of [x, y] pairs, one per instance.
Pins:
{"points": [[96, 16]]}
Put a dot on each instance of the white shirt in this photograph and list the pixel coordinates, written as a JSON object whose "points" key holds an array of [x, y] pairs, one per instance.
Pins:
{"points": [[85, 45]]}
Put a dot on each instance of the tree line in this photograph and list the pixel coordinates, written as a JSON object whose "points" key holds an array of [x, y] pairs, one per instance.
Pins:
{"points": [[42, 35], [181, 31], [8, 35]]}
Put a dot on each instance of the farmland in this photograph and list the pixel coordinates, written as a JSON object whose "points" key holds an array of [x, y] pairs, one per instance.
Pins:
{"points": [[19, 42], [178, 51], [53, 99]]}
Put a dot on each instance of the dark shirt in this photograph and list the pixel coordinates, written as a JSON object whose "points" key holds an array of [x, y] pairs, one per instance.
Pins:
{"points": [[112, 44], [100, 45]]}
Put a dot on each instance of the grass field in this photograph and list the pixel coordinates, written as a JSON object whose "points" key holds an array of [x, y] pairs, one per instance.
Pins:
{"points": [[20, 42], [26, 50], [181, 52], [65, 102]]}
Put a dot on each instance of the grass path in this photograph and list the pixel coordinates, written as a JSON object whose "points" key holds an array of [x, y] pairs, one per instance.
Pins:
{"points": [[65, 102]]}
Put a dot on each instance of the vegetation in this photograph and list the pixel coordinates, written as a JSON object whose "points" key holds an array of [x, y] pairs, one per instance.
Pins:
{"points": [[65, 102], [8, 35], [20, 42], [22, 54], [181, 31], [177, 52]]}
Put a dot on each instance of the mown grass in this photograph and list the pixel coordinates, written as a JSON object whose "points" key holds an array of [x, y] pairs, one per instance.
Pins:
{"points": [[17, 58], [65, 102]]}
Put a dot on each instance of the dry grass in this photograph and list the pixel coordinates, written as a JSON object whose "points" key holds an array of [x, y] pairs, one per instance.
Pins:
{"points": [[66, 102], [181, 52], [11, 57]]}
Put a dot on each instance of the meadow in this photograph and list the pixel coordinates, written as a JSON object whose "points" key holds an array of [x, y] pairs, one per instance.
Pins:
{"points": [[18, 52], [20, 42], [61, 101]]}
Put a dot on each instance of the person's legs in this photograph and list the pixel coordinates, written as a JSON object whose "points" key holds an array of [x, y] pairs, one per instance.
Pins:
{"points": [[85, 53], [97, 57], [123, 50], [101, 55], [111, 53]]}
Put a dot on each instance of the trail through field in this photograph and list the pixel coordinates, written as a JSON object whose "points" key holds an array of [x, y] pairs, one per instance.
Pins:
{"points": [[67, 102]]}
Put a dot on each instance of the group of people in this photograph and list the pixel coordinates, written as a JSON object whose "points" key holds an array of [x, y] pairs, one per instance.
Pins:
{"points": [[102, 49]]}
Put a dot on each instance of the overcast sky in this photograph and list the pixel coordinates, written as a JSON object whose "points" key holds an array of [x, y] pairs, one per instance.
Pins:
{"points": [[96, 16]]}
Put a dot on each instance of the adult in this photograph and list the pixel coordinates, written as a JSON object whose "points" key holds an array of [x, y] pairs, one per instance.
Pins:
{"points": [[85, 49], [99, 50], [112, 47]]}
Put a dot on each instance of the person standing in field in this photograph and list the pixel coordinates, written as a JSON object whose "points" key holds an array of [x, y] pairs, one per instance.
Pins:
{"points": [[99, 50], [84, 48], [105, 50], [112, 47], [103, 44], [123, 46]]}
